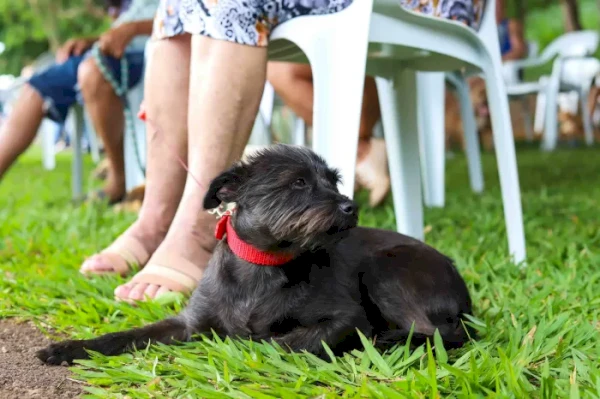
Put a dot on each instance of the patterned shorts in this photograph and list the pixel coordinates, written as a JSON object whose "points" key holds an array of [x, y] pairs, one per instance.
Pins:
{"points": [[251, 21]]}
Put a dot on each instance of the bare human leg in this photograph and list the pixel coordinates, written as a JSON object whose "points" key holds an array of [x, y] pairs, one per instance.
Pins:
{"points": [[166, 90], [105, 109], [223, 104], [19, 130]]}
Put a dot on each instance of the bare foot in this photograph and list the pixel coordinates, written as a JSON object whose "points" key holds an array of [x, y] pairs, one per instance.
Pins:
{"points": [[364, 146], [177, 265], [372, 170]]}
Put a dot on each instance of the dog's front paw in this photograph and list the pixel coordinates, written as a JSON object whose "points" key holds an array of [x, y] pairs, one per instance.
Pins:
{"points": [[61, 352]]}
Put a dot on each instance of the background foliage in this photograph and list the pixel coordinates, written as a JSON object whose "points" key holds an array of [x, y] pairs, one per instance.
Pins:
{"points": [[544, 19], [31, 27]]}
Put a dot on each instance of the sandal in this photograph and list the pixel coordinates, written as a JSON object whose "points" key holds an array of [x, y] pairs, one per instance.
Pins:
{"points": [[180, 275], [124, 255], [180, 278]]}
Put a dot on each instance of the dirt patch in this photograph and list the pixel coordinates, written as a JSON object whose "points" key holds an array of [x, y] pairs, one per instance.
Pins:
{"points": [[22, 375]]}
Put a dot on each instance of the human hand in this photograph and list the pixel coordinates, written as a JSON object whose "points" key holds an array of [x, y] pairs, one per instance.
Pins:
{"points": [[73, 47], [115, 41]]}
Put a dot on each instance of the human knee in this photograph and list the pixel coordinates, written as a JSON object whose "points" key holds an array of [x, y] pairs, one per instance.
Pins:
{"points": [[31, 94], [90, 79]]}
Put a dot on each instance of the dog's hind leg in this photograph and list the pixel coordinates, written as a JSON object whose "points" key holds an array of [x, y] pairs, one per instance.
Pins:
{"points": [[452, 337], [165, 331], [423, 323], [336, 327]]}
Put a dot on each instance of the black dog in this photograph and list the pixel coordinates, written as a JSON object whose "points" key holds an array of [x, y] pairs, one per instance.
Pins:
{"points": [[336, 278]]}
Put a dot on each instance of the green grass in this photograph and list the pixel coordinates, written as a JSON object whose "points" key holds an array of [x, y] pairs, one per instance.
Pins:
{"points": [[539, 326]]}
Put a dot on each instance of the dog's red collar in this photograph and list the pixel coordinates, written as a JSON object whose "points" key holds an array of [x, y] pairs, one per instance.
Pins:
{"points": [[245, 251]]}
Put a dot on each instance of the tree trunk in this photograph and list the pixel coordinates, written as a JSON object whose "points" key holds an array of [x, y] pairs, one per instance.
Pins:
{"points": [[47, 11], [571, 15]]}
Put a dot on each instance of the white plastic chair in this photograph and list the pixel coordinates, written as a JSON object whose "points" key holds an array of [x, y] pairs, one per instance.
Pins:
{"points": [[399, 43], [511, 70], [472, 148], [573, 69], [514, 76], [434, 153], [432, 134]]}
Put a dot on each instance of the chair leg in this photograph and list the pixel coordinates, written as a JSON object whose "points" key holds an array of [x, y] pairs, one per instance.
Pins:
{"points": [[550, 139], [266, 103], [299, 134], [473, 150], [49, 130], [92, 138], [399, 111], [77, 163], [588, 128], [431, 97], [338, 80], [507, 161], [261, 130], [526, 112], [540, 112]]}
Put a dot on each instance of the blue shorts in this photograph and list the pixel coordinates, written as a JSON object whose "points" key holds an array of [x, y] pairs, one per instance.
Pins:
{"points": [[58, 84]]}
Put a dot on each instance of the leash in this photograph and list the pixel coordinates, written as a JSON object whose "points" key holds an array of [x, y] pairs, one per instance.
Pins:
{"points": [[120, 89]]}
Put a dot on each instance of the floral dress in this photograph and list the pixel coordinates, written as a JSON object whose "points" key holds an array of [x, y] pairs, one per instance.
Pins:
{"points": [[251, 21]]}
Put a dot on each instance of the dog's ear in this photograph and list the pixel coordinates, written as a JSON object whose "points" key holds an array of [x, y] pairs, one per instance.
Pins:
{"points": [[224, 188]]}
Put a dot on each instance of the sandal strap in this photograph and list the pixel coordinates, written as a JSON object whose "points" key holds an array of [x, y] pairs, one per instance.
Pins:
{"points": [[126, 252], [180, 275]]}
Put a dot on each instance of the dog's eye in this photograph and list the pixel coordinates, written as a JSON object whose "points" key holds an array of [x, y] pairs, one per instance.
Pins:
{"points": [[299, 183]]}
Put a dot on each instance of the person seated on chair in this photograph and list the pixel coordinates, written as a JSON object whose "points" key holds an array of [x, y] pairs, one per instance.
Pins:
{"points": [[51, 92]]}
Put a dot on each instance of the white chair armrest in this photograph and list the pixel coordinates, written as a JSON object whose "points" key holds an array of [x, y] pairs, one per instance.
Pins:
{"points": [[522, 64]]}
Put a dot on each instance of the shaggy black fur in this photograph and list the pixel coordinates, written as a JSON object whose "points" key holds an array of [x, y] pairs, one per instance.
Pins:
{"points": [[343, 277]]}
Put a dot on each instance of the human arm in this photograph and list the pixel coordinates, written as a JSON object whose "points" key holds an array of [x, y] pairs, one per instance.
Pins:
{"points": [[73, 47], [115, 41]]}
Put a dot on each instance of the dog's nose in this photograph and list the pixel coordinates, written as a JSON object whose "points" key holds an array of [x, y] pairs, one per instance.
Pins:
{"points": [[348, 207]]}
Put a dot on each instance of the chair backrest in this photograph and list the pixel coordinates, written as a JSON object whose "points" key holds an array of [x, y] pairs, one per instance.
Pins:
{"points": [[572, 44]]}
